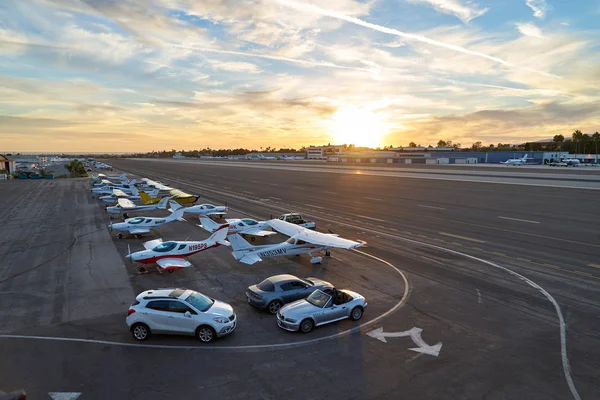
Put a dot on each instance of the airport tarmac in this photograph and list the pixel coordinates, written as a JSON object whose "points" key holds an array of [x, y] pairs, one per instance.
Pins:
{"points": [[501, 335]]}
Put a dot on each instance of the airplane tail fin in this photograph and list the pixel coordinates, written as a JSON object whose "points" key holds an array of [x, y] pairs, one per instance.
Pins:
{"points": [[525, 157], [162, 204], [238, 243], [177, 214], [123, 176], [145, 198], [134, 191], [220, 235], [132, 182], [208, 224], [153, 193]]}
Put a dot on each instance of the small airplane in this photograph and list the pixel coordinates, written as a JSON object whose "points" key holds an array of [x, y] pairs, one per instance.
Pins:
{"points": [[119, 194], [571, 161], [206, 210], [108, 188], [126, 206], [139, 225], [515, 161], [171, 255], [174, 194], [245, 226], [301, 241]]}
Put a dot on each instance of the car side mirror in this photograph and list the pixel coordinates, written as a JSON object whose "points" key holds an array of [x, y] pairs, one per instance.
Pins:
{"points": [[188, 314]]}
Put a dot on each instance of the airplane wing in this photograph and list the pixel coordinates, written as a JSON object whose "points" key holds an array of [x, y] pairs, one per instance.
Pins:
{"points": [[250, 259], [216, 213], [313, 237], [258, 232], [126, 204], [149, 245], [119, 193], [173, 263], [137, 231]]}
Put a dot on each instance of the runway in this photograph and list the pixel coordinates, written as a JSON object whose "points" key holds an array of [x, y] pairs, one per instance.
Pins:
{"points": [[500, 336]]}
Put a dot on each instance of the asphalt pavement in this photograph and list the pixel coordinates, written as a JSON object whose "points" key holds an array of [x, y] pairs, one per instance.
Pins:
{"points": [[504, 277]]}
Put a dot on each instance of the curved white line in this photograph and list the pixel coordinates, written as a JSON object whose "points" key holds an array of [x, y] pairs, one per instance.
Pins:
{"points": [[561, 320], [278, 346]]}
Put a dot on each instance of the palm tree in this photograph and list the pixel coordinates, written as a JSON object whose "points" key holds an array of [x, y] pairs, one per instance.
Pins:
{"points": [[558, 140], [577, 138], [596, 139]]}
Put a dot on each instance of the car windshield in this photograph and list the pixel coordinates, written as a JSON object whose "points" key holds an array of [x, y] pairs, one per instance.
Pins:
{"points": [[318, 298], [266, 286], [136, 220], [164, 247], [200, 301]]}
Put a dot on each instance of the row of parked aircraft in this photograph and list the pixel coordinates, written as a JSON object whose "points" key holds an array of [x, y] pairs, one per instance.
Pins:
{"points": [[171, 255]]}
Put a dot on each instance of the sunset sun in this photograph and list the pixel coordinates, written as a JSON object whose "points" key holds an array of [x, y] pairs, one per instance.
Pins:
{"points": [[357, 126]]}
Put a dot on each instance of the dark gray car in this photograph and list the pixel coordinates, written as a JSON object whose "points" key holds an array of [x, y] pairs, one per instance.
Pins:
{"points": [[277, 290]]}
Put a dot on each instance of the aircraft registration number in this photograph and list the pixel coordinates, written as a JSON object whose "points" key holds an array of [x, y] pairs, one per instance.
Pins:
{"points": [[196, 247]]}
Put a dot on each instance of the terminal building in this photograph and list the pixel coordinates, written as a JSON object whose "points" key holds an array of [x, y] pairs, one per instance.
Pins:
{"points": [[428, 156]]}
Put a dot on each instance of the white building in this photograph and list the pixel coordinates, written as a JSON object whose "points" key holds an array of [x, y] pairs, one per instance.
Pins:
{"points": [[321, 152], [178, 155]]}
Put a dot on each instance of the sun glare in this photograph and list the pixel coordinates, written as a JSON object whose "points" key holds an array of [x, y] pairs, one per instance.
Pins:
{"points": [[357, 126]]}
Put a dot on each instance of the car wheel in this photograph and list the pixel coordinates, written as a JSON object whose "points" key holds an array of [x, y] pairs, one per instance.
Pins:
{"points": [[274, 306], [205, 334], [306, 326], [140, 332], [356, 313]]}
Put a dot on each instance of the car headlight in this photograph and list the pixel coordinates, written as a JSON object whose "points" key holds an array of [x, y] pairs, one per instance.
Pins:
{"points": [[221, 320]]}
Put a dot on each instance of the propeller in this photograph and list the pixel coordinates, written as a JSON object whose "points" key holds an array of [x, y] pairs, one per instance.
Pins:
{"points": [[129, 254], [110, 227]]}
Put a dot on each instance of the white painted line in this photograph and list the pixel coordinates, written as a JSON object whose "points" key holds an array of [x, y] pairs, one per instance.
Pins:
{"points": [[372, 198], [255, 181], [312, 205], [371, 218], [274, 184], [260, 347], [274, 198], [520, 220], [462, 237], [478, 296], [432, 207], [64, 395], [325, 191]]}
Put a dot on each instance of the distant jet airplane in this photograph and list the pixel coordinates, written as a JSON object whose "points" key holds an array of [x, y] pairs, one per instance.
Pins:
{"points": [[515, 161]]}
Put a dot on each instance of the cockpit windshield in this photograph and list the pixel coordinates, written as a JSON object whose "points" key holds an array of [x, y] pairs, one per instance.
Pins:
{"points": [[249, 222], [318, 299], [136, 220], [164, 247], [291, 241], [207, 206]]}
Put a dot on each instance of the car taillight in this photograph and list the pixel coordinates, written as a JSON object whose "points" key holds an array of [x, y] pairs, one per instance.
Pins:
{"points": [[131, 311]]}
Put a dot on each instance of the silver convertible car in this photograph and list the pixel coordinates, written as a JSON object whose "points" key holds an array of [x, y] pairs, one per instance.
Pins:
{"points": [[320, 308], [277, 290]]}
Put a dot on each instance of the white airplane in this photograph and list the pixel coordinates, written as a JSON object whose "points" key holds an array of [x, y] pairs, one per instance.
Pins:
{"points": [[122, 177], [244, 226], [119, 194], [171, 255], [206, 210], [139, 225], [125, 206], [515, 161], [108, 189], [301, 241], [571, 161]]}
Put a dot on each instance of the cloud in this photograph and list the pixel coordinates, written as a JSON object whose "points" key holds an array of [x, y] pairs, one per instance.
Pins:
{"points": [[465, 12], [236, 66], [333, 14], [529, 29], [539, 7]]}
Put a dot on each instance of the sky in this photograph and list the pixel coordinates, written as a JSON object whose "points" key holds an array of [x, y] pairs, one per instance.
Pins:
{"points": [[143, 75]]}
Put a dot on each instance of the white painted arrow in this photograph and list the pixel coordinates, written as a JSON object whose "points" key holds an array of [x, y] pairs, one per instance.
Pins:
{"points": [[415, 335], [64, 395]]}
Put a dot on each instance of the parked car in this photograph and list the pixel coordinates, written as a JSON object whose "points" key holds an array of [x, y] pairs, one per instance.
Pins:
{"points": [[180, 312], [277, 290], [320, 308]]}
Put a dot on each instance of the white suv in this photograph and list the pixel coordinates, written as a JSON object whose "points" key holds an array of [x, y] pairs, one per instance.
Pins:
{"points": [[180, 312]]}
